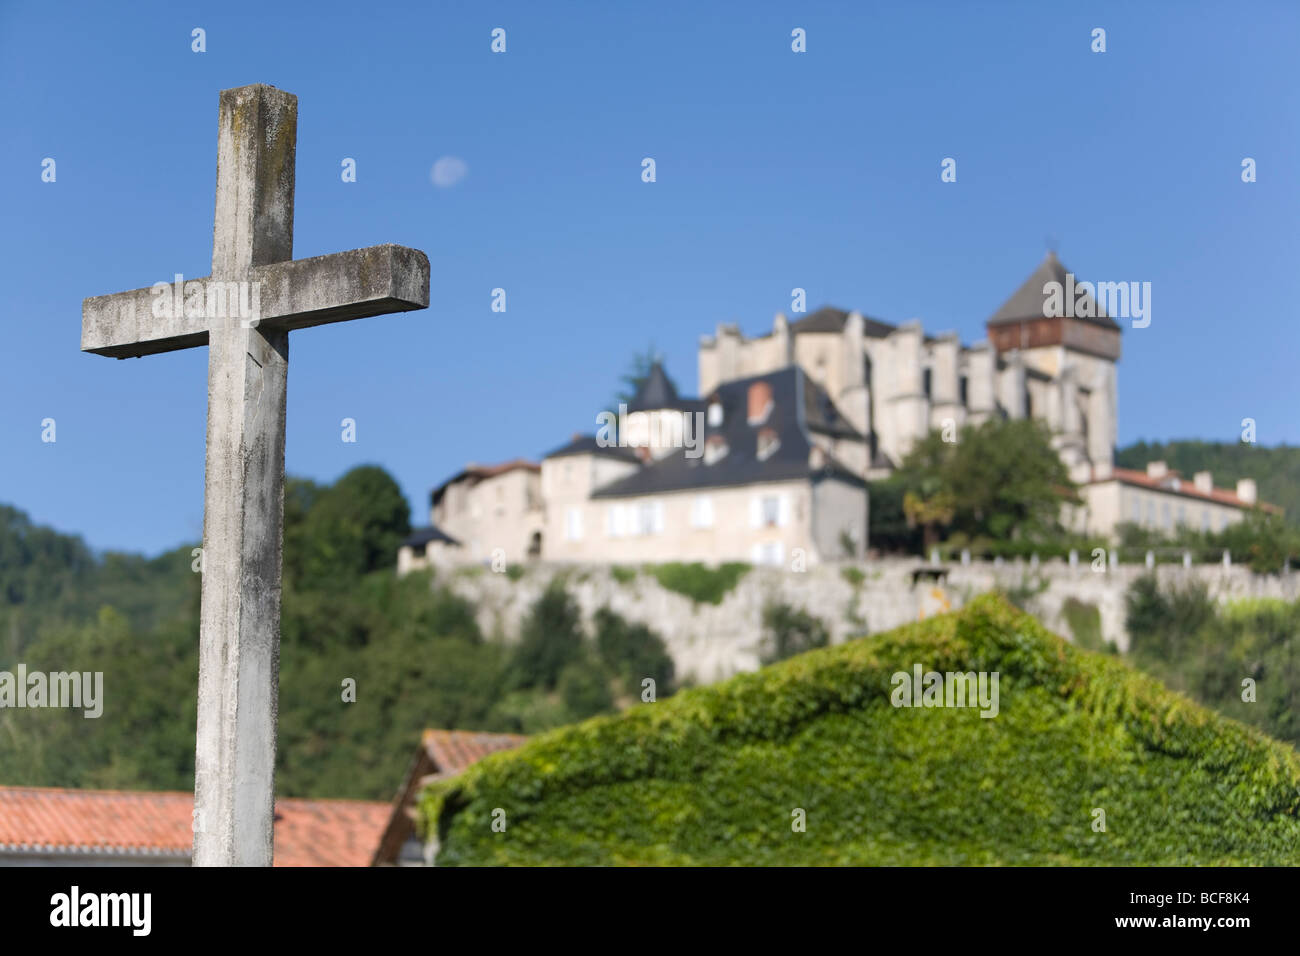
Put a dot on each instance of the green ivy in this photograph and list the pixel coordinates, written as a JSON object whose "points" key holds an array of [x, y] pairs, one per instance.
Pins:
{"points": [[699, 582], [713, 775]]}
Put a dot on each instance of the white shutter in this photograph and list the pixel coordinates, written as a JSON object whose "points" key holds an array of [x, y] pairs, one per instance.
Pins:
{"points": [[659, 517], [783, 512], [755, 511]]}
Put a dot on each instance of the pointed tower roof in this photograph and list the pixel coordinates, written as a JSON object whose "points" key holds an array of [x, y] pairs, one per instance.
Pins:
{"points": [[1027, 301], [656, 391]]}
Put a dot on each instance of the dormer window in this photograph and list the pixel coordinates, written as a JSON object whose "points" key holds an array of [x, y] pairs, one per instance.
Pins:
{"points": [[767, 443], [715, 414], [715, 448]]}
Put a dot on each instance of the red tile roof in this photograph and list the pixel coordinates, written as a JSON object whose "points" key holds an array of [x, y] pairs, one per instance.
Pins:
{"points": [[442, 753], [454, 750], [152, 824], [1221, 495]]}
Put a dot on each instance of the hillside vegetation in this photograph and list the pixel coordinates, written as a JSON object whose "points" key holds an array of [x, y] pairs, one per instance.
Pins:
{"points": [[716, 775], [412, 648]]}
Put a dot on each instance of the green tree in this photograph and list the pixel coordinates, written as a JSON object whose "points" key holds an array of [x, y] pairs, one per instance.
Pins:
{"points": [[633, 652], [1001, 481], [550, 638], [788, 631], [584, 688], [354, 526], [634, 376]]}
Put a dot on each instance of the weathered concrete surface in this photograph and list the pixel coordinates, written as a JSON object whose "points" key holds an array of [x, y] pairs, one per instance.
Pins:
{"points": [[291, 295], [239, 648], [234, 792], [711, 642], [243, 494]]}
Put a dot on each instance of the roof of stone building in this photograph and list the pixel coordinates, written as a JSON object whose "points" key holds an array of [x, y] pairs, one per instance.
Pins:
{"points": [[796, 410], [821, 415], [587, 445], [656, 391], [1175, 484], [1028, 301], [153, 826], [478, 473], [441, 753], [423, 536], [830, 319]]}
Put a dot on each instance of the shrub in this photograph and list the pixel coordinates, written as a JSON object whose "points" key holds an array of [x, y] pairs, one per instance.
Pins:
{"points": [[1211, 651], [788, 631], [584, 688], [1084, 622], [1161, 623], [854, 576], [700, 583], [633, 652], [710, 776]]}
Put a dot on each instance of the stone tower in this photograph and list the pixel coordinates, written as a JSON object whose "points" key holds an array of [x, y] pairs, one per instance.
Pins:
{"points": [[1067, 364]]}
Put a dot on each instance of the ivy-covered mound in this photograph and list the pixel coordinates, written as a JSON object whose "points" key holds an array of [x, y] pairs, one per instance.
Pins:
{"points": [[714, 775]]}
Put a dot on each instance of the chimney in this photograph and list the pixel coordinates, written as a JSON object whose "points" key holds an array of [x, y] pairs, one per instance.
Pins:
{"points": [[1246, 490], [760, 402], [1157, 469], [1204, 482]]}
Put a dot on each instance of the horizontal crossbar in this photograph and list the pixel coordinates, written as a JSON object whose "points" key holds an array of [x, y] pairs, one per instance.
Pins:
{"points": [[296, 294]]}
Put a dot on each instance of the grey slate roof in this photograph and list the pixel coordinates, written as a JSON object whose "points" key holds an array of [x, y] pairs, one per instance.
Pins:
{"points": [[422, 536], [1027, 302], [830, 319], [821, 414], [586, 445], [789, 418], [657, 391]]}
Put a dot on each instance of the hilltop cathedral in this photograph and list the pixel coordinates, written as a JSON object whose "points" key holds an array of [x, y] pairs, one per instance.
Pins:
{"points": [[771, 463]]}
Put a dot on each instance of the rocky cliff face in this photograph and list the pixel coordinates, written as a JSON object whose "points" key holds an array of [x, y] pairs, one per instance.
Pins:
{"points": [[712, 642]]}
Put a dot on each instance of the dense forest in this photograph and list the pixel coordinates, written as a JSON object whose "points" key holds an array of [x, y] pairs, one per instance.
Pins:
{"points": [[416, 655]]}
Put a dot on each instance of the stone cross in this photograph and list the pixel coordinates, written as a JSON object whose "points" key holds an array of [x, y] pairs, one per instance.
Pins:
{"points": [[243, 506]]}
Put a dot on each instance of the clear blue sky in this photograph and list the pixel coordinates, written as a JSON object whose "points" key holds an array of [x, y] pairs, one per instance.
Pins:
{"points": [[775, 170]]}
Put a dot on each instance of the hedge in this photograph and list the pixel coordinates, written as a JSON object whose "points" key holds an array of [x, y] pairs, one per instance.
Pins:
{"points": [[713, 775]]}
